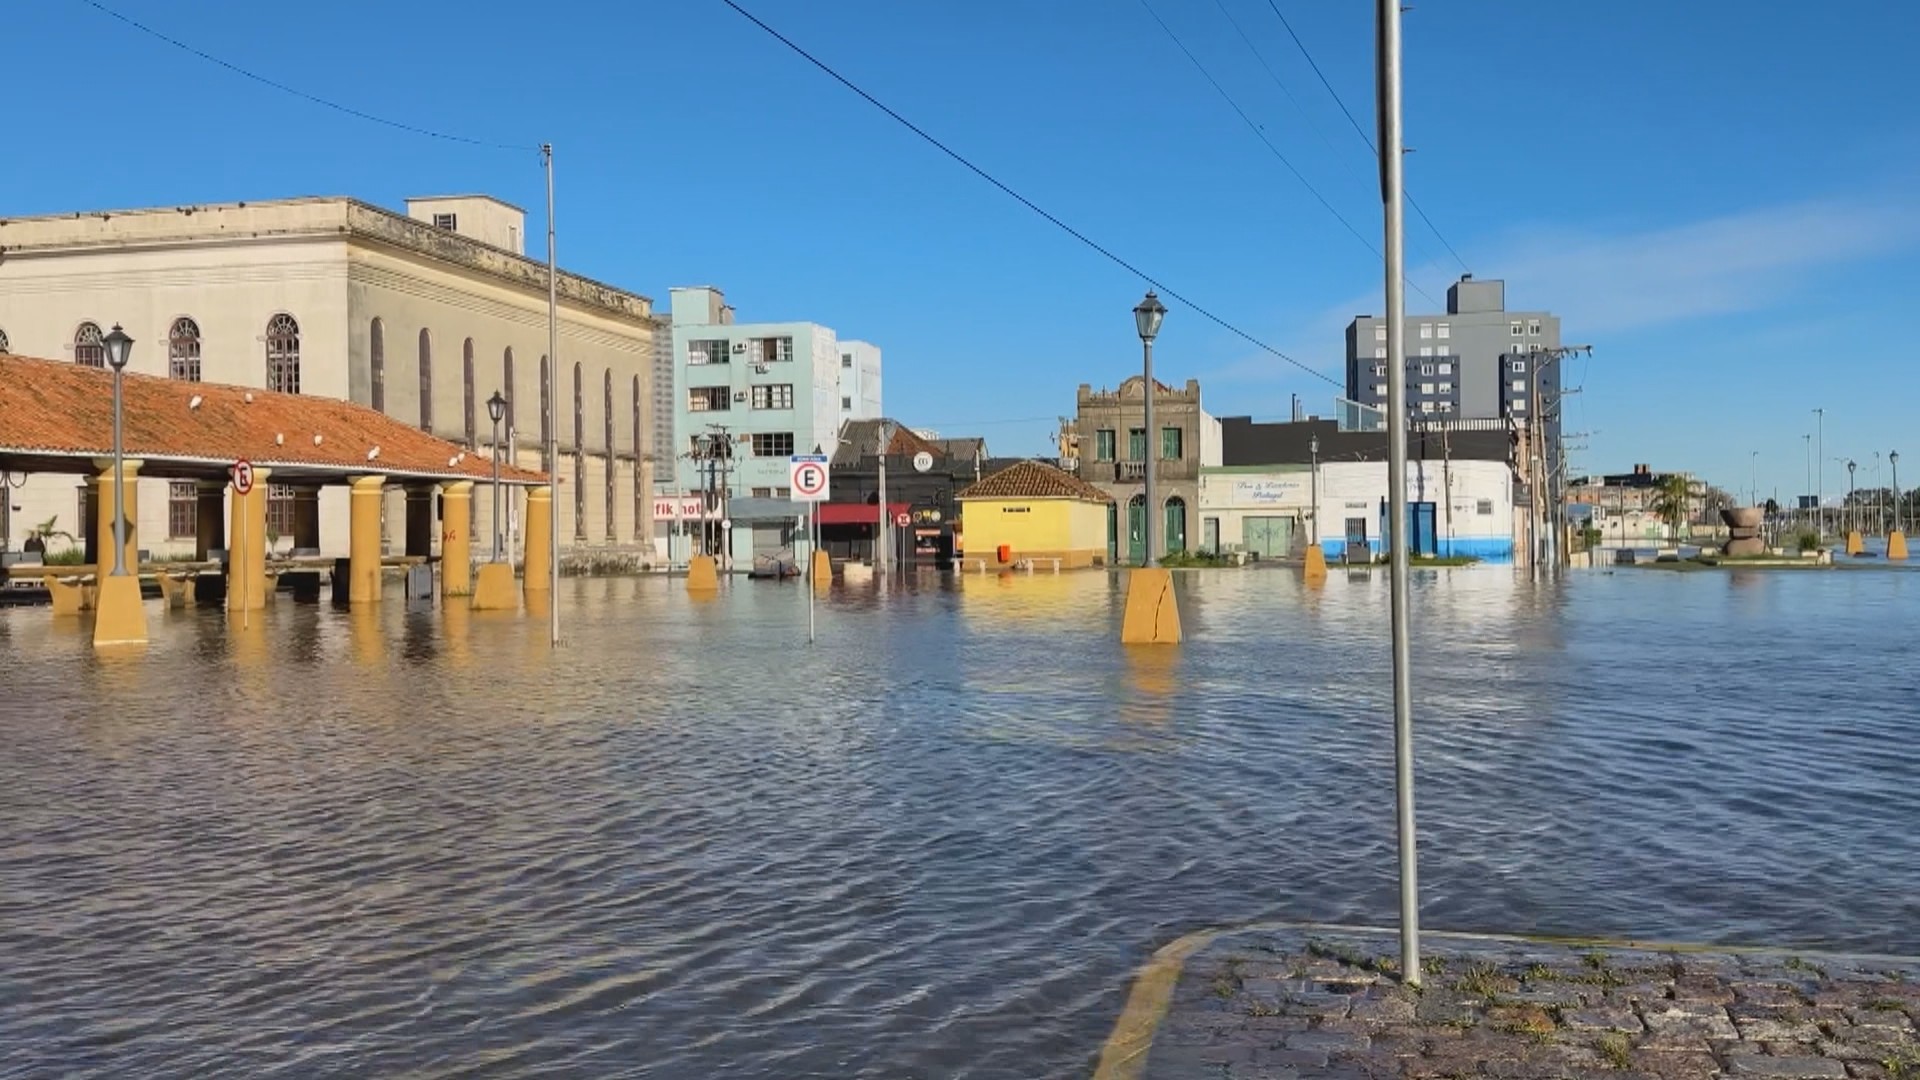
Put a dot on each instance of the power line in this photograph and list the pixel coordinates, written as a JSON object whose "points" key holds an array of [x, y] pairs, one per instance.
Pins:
{"points": [[302, 94], [1364, 137], [1019, 198]]}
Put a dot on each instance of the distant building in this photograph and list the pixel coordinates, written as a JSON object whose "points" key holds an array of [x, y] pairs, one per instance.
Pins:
{"points": [[1033, 511], [1472, 363], [421, 316], [923, 476], [859, 381], [1106, 444]]}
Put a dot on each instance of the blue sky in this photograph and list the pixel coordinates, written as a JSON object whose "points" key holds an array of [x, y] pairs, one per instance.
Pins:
{"points": [[1719, 197]]}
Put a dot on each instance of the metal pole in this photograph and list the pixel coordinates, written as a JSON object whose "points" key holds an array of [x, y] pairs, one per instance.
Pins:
{"points": [[1391, 192], [496, 491], [812, 561], [1753, 481], [1313, 532], [1808, 439], [553, 418], [119, 495], [1820, 476], [1150, 510], [882, 550]]}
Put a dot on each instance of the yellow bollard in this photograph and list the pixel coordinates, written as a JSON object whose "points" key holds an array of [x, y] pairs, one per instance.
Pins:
{"points": [[701, 575], [537, 562], [456, 544], [493, 588], [1315, 569], [1152, 617], [822, 570], [1854, 544], [1896, 546], [247, 551], [363, 563]]}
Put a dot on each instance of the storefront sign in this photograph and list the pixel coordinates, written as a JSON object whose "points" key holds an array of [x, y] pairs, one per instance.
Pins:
{"points": [[680, 508], [1269, 491]]}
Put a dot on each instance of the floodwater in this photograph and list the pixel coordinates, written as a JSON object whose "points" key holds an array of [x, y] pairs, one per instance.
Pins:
{"points": [[934, 844]]}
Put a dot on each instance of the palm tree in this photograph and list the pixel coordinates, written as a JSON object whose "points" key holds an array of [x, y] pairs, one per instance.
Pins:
{"points": [[1670, 500], [38, 535]]}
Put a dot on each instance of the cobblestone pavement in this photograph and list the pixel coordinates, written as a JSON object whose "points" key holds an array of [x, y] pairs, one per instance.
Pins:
{"points": [[1298, 1004]]}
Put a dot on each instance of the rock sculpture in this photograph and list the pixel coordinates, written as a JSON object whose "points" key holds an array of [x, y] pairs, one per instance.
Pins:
{"points": [[1743, 531]]}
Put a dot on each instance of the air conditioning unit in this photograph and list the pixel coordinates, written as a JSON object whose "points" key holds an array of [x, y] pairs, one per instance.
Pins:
{"points": [[739, 395], [1070, 464]]}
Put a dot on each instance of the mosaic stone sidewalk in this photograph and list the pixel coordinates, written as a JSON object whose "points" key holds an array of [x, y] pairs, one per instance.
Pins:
{"points": [[1295, 1004]]}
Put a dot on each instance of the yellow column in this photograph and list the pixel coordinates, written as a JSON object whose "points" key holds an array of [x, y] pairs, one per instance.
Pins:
{"points": [[104, 519], [1152, 617], [537, 526], [119, 617], [456, 544], [363, 551], [1854, 544], [247, 546], [1897, 546], [822, 570]]}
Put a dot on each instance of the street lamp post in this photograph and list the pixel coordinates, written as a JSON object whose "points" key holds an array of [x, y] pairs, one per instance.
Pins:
{"points": [[1753, 483], [1146, 319], [119, 347], [497, 411], [1820, 478], [1893, 459], [1853, 512], [1808, 439], [1313, 452]]}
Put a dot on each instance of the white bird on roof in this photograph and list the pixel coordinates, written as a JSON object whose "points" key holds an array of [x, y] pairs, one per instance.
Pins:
{"points": [[454, 460], [279, 438], [316, 438], [193, 402], [249, 397], [373, 453]]}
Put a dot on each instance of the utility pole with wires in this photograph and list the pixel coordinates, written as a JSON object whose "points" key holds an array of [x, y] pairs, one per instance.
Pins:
{"points": [[1542, 461]]}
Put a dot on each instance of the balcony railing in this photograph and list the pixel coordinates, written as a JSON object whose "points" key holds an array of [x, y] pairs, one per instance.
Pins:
{"points": [[1125, 471]]}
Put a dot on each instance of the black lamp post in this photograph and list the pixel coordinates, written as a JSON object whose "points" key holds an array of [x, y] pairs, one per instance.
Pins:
{"points": [[1146, 319], [497, 411], [119, 347], [1853, 511], [1313, 451], [1893, 459]]}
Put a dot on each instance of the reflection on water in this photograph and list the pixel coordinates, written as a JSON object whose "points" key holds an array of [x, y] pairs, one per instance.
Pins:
{"points": [[933, 844]]}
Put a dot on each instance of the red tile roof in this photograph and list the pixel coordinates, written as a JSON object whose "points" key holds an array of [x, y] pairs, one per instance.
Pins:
{"points": [[1034, 480], [54, 409]]}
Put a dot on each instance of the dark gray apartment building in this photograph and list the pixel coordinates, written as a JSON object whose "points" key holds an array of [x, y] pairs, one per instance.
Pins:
{"points": [[1473, 363]]}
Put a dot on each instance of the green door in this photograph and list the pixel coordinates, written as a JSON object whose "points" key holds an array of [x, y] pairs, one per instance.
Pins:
{"points": [[1136, 530], [1267, 537], [1175, 535], [1113, 533]]}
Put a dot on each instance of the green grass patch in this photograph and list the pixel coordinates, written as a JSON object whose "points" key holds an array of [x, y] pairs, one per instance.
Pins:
{"points": [[1613, 1048], [1188, 560]]}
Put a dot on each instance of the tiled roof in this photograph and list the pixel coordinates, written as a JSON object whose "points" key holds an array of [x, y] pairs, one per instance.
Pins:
{"points": [[57, 409], [1034, 480], [860, 437]]}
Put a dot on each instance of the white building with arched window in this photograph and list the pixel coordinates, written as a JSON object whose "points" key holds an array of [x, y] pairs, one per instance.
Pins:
{"points": [[338, 298]]}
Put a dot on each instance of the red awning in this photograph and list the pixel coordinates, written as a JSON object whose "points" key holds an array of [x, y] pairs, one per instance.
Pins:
{"points": [[856, 513]]}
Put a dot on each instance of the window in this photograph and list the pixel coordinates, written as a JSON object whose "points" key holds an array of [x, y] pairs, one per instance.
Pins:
{"points": [[1136, 444], [1484, 507], [283, 356], [1443, 331], [846, 404], [707, 352], [1379, 369], [1103, 444], [1515, 327], [763, 493], [1519, 365], [1426, 406], [546, 418], [1446, 388], [1380, 389], [183, 510], [1446, 368], [579, 495], [1426, 331], [1520, 405], [1170, 444], [1426, 388], [1379, 352], [83, 523], [1426, 369], [1426, 350], [778, 396], [1533, 328], [773, 444], [449, 222], [506, 376], [377, 367], [1519, 386], [846, 359], [183, 352], [1446, 406], [613, 472], [426, 381], [1379, 333], [579, 411], [466, 390], [279, 510], [707, 399], [89, 346], [771, 350]]}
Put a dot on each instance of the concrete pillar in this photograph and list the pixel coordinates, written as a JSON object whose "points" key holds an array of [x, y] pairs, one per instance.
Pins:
{"points": [[209, 518], [363, 571], [456, 540], [119, 616], [247, 547], [1151, 617], [420, 522], [306, 518], [103, 521], [1897, 546], [537, 526]]}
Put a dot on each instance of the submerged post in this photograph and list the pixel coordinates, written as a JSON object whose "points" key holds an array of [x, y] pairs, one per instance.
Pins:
{"points": [[1392, 194]]}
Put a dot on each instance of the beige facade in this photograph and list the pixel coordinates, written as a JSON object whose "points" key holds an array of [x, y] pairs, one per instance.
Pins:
{"points": [[1107, 445], [421, 320]]}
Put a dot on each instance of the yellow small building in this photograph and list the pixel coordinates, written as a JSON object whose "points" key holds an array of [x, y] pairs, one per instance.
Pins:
{"points": [[1034, 511]]}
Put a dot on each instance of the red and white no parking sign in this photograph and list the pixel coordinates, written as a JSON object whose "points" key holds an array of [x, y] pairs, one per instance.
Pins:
{"points": [[242, 473], [807, 476]]}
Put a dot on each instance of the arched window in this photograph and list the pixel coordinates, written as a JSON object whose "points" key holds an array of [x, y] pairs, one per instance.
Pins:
{"points": [[546, 418], [1175, 537], [466, 389], [89, 346], [1137, 530], [378, 368], [183, 351], [283, 354], [426, 380], [579, 410], [579, 457], [638, 483], [613, 474], [506, 376]]}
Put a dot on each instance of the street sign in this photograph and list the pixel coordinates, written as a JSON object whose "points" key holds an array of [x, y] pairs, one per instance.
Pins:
{"points": [[807, 476], [922, 461], [902, 519], [242, 473]]}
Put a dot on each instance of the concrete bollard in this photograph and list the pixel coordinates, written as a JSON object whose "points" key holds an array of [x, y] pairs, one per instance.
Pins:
{"points": [[1152, 617], [702, 577], [1854, 544], [1897, 546], [1315, 569]]}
